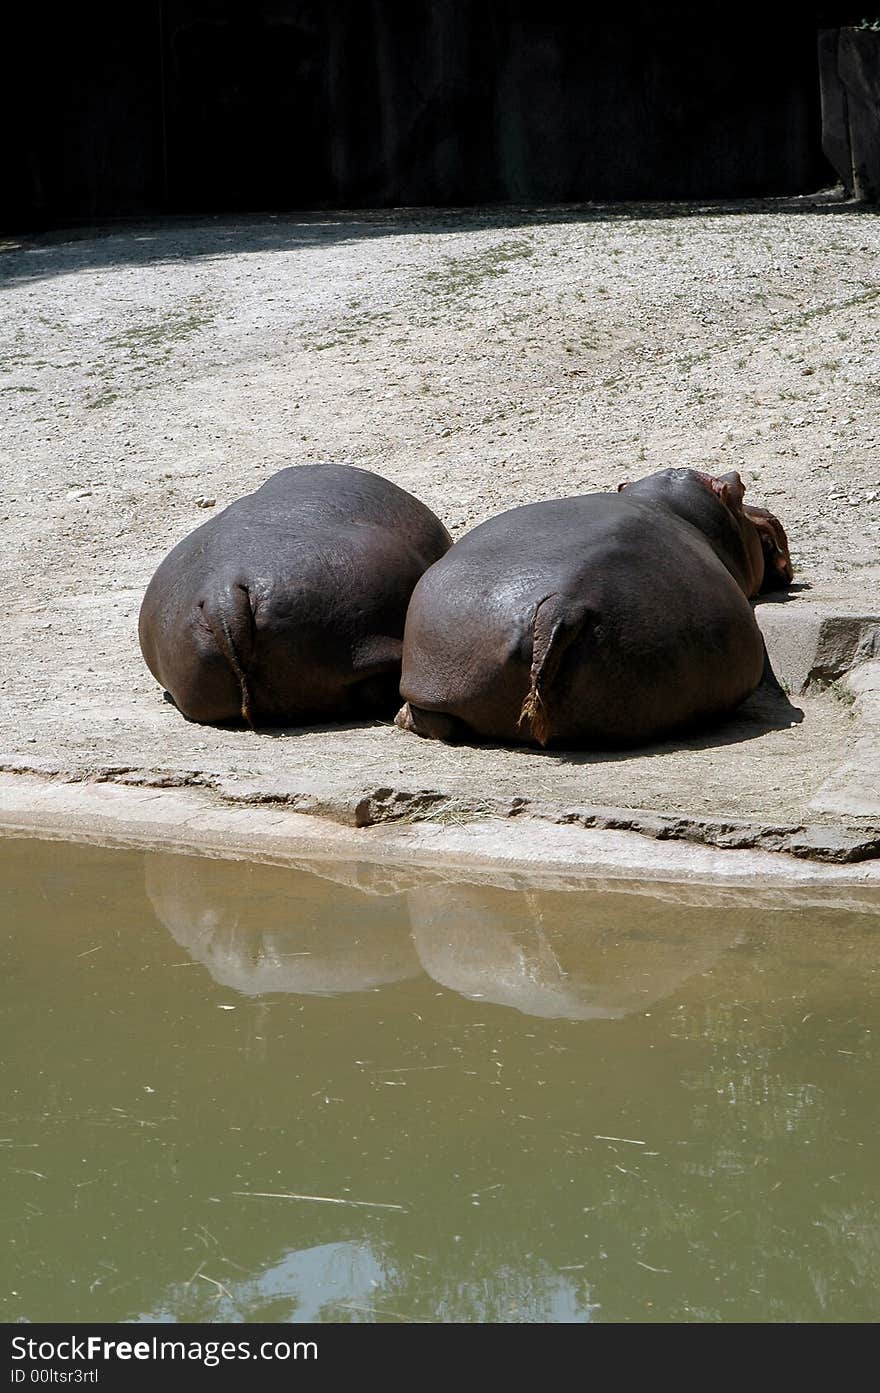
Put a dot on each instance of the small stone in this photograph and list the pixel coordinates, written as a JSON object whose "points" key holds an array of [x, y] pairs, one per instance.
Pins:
{"points": [[204, 502]]}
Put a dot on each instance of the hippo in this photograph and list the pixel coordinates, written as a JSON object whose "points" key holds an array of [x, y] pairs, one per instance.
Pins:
{"points": [[609, 619], [289, 606]]}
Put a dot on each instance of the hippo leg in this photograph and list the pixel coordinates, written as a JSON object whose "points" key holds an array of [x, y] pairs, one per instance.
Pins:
{"points": [[376, 661], [378, 695], [433, 725]]}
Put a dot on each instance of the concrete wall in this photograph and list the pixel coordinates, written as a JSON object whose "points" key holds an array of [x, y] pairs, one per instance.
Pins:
{"points": [[849, 65], [194, 105]]}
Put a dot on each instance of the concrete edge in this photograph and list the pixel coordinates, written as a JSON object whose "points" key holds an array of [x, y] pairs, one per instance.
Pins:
{"points": [[192, 821], [835, 843]]}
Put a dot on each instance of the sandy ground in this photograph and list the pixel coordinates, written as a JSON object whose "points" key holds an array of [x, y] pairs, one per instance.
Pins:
{"points": [[480, 359]]}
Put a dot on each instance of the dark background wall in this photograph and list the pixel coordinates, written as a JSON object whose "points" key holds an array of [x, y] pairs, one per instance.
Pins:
{"points": [[206, 105]]}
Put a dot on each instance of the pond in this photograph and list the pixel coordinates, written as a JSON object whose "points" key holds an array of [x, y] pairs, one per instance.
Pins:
{"points": [[338, 1092]]}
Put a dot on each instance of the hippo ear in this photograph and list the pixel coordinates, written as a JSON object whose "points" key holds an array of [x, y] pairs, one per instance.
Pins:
{"points": [[729, 490], [736, 487], [624, 485], [721, 491]]}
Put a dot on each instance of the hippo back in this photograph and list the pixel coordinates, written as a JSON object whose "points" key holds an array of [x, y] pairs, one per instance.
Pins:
{"points": [[598, 619], [290, 604]]}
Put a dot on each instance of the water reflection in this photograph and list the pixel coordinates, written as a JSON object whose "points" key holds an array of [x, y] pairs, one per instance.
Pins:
{"points": [[555, 953], [302, 1286], [672, 1116], [350, 1282], [262, 929]]}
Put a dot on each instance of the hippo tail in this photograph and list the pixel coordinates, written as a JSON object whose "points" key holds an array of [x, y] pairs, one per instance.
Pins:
{"points": [[556, 625], [230, 619]]}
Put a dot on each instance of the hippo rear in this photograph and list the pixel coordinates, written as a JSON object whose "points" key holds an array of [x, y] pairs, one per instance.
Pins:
{"points": [[606, 619], [290, 604]]}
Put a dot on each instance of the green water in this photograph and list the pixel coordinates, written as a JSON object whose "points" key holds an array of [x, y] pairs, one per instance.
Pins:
{"points": [[533, 1104]]}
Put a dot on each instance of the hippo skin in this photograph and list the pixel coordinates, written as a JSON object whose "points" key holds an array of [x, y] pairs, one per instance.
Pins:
{"points": [[289, 606], [602, 620]]}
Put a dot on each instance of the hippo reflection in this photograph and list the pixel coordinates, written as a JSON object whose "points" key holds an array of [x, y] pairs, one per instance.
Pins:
{"points": [[576, 954], [270, 929]]}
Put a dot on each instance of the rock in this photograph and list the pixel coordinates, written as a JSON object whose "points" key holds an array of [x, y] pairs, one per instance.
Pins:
{"points": [[203, 502], [835, 844], [818, 644]]}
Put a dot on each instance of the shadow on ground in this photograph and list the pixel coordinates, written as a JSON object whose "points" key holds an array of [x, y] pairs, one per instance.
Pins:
{"points": [[27, 258], [765, 710]]}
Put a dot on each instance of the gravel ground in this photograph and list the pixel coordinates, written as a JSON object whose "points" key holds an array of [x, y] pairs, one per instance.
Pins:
{"points": [[481, 359]]}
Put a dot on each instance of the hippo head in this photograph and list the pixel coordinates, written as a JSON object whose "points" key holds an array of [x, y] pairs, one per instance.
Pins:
{"points": [[750, 541], [778, 570], [774, 571], [730, 490]]}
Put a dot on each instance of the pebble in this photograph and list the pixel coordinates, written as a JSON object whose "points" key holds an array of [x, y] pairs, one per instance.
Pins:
{"points": [[203, 502]]}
